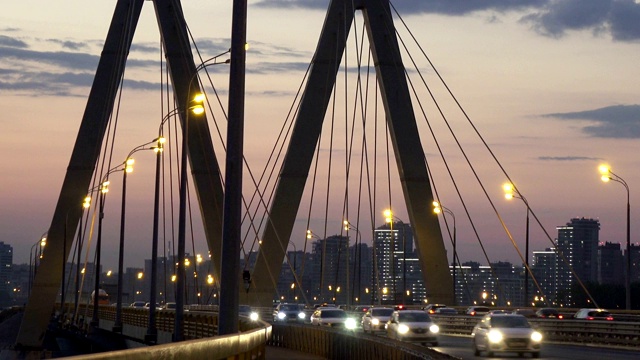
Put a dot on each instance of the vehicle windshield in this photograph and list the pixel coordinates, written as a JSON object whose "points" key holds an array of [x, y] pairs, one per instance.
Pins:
{"points": [[381, 312], [333, 314], [413, 317], [292, 307], [509, 322], [599, 314]]}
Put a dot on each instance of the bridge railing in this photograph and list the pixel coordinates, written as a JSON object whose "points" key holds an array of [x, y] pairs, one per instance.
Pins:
{"points": [[332, 343], [200, 328]]}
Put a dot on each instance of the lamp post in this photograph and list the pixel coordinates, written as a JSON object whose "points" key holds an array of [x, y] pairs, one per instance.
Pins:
{"points": [[127, 168], [311, 235], [511, 192], [439, 208], [86, 204], [197, 109], [295, 258], [152, 332], [349, 226], [103, 188], [608, 175], [34, 255]]}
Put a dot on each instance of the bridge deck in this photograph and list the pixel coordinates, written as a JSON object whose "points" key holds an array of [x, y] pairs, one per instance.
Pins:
{"points": [[278, 353]]}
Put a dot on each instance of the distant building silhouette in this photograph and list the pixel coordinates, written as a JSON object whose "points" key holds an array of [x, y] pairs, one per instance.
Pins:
{"points": [[578, 243], [610, 264]]}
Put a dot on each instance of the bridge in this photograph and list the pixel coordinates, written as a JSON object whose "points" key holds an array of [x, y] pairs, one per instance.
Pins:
{"points": [[224, 334]]}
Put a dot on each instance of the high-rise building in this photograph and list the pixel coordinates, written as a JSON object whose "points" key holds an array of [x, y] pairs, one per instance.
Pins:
{"points": [[499, 284], [635, 263], [6, 261], [393, 242], [577, 243], [331, 270], [610, 264], [544, 268]]}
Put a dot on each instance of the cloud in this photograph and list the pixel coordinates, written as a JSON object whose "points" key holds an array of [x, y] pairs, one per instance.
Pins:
{"points": [[444, 7], [553, 18], [71, 45], [568, 158], [619, 18], [619, 121], [11, 42], [276, 67]]}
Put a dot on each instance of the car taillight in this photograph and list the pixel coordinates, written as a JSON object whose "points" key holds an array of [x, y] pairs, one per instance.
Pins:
{"points": [[609, 317], [431, 312], [589, 317], [473, 313], [560, 317]]}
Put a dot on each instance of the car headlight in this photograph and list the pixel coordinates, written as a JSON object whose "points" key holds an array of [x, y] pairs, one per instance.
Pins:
{"points": [[350, 324], [403, 329], [494, 336], [301, 315], [536, 336], [253, 316], [375, 322], [281, 315], [434, 328]]}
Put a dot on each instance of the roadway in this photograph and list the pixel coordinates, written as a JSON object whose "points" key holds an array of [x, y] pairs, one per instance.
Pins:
{"points": [[278, 353], [460, 346]]}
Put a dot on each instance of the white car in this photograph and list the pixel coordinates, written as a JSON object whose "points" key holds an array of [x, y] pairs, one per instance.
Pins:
{"points": [[330, 316], [413, 326], [375, 319], [506, 333]]}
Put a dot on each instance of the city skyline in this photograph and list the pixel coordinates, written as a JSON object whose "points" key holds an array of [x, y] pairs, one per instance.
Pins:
{"points": [[530, 76]]}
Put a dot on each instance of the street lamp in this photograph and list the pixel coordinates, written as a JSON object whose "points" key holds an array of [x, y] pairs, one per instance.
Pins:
{"points": [[42, 240], [608, 175], [197, 109], [439, 208], [511, 192], [86, 204], [127, 167], [295, 258], [152, 332], [356, 255], [103, 188]]}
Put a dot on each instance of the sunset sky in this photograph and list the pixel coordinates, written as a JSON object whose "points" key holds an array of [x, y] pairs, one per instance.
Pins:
{"points": [[553, 86]]}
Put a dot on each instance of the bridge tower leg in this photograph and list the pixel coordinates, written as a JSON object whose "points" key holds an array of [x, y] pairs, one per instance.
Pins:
{"points": [[404, 134], [86, 151]]}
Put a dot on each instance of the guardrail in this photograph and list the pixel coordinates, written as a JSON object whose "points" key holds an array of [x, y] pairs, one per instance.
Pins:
{"points": [[331, 343], [200, 328], [606, 333]]}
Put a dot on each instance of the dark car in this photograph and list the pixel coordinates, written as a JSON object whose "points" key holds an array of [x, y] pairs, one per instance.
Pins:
{"points": [[477, 310], [289, 312], [528, 313], [549, 313], [431, 308]]}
